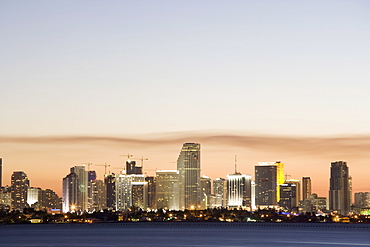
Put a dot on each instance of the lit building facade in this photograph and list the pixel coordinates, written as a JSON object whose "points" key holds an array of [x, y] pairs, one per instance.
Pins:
{"points": [[266, 184], [205, 188], [362, 200], [151, 199], [123, 189], [188, 165], [239, 189], [33, 197], [19, 190], [82, 178], [339, 193], [70, 193], [220, 190], [167, 189], [98, 195]]}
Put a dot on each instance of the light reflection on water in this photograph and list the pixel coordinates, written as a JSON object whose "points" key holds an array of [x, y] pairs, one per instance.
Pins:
{"points": [[196, 235]]}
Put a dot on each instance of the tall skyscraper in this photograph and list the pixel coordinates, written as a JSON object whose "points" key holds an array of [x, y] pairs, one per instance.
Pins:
{"points": [[123, 192], [1, 172], [239, 190], [139, 191], [82, 176], [339, 193], [70, 193], [220, 190], [19, 190], [167, 189], [151, 192], [266, 184], [110, 184], [188, 165], [306, 188], [97, 195]]}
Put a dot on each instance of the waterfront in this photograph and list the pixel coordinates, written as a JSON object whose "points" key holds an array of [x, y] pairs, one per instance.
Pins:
{"points": [[185, 234]]}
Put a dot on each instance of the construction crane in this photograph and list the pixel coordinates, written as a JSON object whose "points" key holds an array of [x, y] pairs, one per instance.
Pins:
{"points": [[142, 160], [88, 165], [128, 155], [105, 168]]}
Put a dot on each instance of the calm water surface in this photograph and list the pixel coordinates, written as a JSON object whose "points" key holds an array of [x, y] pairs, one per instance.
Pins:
{"points": [[178, 234]]}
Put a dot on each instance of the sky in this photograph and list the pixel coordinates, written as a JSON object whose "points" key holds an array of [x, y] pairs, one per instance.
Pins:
{"points": [[289, 78]]}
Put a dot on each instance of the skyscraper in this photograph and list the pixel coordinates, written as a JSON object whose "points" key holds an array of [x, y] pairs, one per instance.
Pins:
{"points": [[339, 193], [188, 165], [205, 188], [70, 193], [19, 190], [239, 190], [297, 184], [110, 184], [82, 176], [1, 172], [123, 189], [306, 188], [220, 190], [151, 192], [167, 189], [266, 184], [288, 196], [132, 168], [97, 195]]}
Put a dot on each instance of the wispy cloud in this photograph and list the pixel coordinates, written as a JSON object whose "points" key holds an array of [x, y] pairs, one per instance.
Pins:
{"points": [[346, 145]]}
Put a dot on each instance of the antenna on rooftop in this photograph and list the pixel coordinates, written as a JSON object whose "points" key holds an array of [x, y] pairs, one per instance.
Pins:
{"points": [[236, 171]]}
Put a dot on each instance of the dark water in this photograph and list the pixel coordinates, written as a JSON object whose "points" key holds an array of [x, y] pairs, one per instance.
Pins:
{"points": [[178, 234]]}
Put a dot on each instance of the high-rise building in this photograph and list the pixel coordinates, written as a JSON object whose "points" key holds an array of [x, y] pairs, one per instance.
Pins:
{"points": [[151, 192], [288, 196], [139, 191], [188, 165], [167, 189], [98, 195], [123, 189], [306, 188], [239, 190], [82, 176], [132, 168], [205, 188], [110, 184], [5, 198], [220, 190], [339, 193], [1, 172], [362, 200], [19, 190], [33, 197], [297, 184], [91, 175], [70, 193], [49, 200], [266, 185]]}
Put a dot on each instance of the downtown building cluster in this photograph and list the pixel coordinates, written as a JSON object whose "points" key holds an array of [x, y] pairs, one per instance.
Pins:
{"points": [[186, 189]]}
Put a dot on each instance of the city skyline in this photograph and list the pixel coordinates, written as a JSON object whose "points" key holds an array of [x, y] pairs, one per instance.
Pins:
{"points": [[85, 82]]}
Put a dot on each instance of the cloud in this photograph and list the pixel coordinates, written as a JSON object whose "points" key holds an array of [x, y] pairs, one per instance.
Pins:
{"points": [[343, 145]]}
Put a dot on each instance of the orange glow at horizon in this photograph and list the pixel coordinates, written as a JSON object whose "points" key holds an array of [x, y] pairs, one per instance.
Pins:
{"points": [[47, 160]]}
